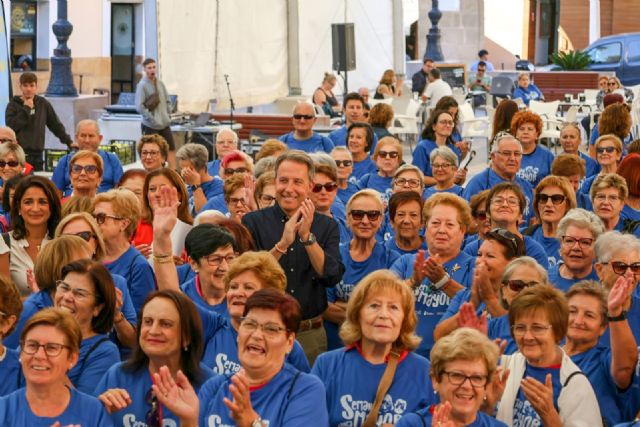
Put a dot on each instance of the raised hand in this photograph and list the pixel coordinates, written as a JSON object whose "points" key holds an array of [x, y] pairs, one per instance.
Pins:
{"points": [[307, 209], [190, 176], [495, 389], [249, 191], [144, 249], [115, 399], [418, 269], [467, 318], [540, 396], [442, 416], [619, 295], [291, 228], [241, 409], [178, 395], [165, 210], [433, 268], [31, 281]]}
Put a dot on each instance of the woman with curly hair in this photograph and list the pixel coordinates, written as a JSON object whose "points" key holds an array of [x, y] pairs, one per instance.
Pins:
{"points": [[536, 160]]}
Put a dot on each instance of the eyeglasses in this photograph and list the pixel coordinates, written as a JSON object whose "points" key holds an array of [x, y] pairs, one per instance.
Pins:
{"points": [[65, 288], [505, 236], [458, 378], [358, 215], [620, 268], [404, 182], [216, 260], [329, 186], [231, 171], [234, 201], [440, 165], [266, 198], [5, 140], [153, 415], [101, 217], [388, 154], [303, 116], [518, 285], [604, 198], [84, 235], [149, 153], [511, 201], [536, 330], [10, 163], [445, 122], [612, 84], [345, 163], [570, 241], [481, 215], [51, 349], [609, 150], [89, 169], [508, 154], [270, 330], [556, 199]]}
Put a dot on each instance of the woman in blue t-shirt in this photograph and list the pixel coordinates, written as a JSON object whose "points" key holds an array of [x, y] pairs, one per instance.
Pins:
{"points": [[444, 166], [526, 90], [388, 158], [359, 142], [10, 308], [463, 366], [544, 386], [50, 343], [405, 218], [570, 140], [608, 153], [87, 291], [344, 162], [526, 126]]}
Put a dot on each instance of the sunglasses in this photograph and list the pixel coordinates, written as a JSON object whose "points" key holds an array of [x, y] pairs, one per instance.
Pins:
{"points": [[84, 235], [89, 169], [5, 140], [10, 163], [231, 171], [518, 285], [153, 415], [609, 150], [329, 186], [556, 199], [302, 116], [481, 216], [359, 215], [620, 268], [388, 154], [345, 163], [505, 236], [102, 217]]}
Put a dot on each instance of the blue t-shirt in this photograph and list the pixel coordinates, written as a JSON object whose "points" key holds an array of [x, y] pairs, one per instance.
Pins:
{"points": [[629, 213], [190, 289], [137, 272], [211, 189], [110, 177], [596, 365], [424, 418], [290, 399], [344, 194], [393, 246], [379, 183], [486, 179], [592, 167], [423, 151], [432, 305], [351, 383], [380, 258], [185, 273], [551, 245], [564, 284], [523, 413], [585, 187], [82, 409], [213, 167], [532, 249], [633, 317], [430, 191], [362, 168], [216, 203], [498, 327], [33, 304], [531, 92], [138, 383], [315, 142], [221, 353], [339, 137], [536, 165], [10, 372], [91, 367]]}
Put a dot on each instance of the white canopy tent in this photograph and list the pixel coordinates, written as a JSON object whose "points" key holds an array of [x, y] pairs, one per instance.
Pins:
{"points": [[269, 48]]}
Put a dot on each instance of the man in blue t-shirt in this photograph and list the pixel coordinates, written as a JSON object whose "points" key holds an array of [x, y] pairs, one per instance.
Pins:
{"points": [[353, 106], [303, 137]]}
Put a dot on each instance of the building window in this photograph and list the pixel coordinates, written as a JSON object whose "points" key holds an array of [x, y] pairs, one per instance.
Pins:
{"points": [[23, 35]]}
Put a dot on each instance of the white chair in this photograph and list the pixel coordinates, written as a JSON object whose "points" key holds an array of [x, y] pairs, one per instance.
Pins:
{"points": [[373, 102], [572, 114], [590, 96], [407, 124], [472, 126], [550, 122]]}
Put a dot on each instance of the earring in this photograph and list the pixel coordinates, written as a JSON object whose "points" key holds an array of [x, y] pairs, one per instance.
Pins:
{"points": [[186, 348]]}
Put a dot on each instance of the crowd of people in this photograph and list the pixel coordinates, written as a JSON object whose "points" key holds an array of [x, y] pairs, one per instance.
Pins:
{"points": [[327, 281]]}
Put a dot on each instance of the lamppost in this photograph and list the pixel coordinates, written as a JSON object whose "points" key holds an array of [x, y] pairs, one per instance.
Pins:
{"points": [[434, 51], [61, 82]]}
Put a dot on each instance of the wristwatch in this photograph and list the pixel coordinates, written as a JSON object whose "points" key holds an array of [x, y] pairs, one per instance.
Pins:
{"points": [[440, 283], [310, 241], [619, 318], [195, 187]]}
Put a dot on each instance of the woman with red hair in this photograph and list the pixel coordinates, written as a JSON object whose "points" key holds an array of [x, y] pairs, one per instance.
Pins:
{"points": [[536, 160], [629, 169]]}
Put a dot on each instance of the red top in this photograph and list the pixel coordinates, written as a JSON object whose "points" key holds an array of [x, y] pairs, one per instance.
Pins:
{"points": [[143, 234]]}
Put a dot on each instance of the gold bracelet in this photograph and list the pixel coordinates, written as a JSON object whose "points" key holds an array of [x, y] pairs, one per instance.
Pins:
{"points": [[277, 248], [162, 256], [120, 318], [163, 259]]}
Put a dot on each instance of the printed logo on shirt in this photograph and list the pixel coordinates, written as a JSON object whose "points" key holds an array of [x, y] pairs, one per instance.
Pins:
{"points": [[524, 415], [530, 173], [344, 290], [129, 420], [354, 412], [216, 421], [552, 261], [224, 366], [425, 296]]}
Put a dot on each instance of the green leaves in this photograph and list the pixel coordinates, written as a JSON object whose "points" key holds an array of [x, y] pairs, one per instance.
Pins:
{"points": [[571, 60]]}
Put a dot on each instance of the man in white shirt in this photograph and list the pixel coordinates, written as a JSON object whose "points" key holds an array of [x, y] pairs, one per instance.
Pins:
{"points": [[436, 89]]}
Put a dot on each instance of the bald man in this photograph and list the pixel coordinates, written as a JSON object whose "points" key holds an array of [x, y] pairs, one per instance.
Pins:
{"points": [[88, 137], [7, 135], [303, 137]]}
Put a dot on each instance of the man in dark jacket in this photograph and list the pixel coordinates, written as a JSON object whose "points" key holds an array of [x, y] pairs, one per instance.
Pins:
{"points": [[419, 80], [28, 115]]}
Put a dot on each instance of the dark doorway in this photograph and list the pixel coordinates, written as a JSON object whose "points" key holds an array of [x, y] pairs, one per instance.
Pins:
{"points": [[122, 50]]}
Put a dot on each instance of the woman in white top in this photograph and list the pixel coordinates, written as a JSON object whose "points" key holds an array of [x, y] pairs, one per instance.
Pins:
{"points": [[35, 214]]}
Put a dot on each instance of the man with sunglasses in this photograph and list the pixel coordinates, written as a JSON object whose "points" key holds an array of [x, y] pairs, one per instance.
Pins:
{"points": [[88, 137], [305, 243], [303, 137]]}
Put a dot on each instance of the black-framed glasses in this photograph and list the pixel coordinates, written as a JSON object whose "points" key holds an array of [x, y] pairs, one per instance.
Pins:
{"points": [[556, 199], [620, 268], [149, 153], [440, 165], [405, 182], [234, 201], [388, 154], [216, 260], [51, 349], [329, 186], [152, 418], [101, 217], [358, 215], [507, 237], [458, 378], [518, 285], [10, 163], [89, 169], [64, 288], [608, 150], [269, 329], [267, 198], [570, 241], [302, 116], [345, 163], [231, 171], [84, 235]]}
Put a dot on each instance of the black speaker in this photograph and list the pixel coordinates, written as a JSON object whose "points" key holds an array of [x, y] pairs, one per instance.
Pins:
{"points": [[344, 47]]}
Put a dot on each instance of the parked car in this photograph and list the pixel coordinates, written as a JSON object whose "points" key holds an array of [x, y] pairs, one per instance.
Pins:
{"points": [[619, 53]]}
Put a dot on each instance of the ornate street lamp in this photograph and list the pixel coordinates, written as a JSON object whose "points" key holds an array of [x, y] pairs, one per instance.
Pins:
{"points": [[61, 82], [434, 51]]}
